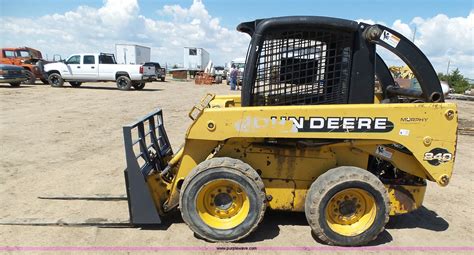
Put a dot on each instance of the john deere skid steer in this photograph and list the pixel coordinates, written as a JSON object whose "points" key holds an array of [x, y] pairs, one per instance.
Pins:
{"points": [[320, 127]]}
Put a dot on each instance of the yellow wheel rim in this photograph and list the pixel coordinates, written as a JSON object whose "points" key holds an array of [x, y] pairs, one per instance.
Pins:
{"points": [[350, 212], [222, 204]]}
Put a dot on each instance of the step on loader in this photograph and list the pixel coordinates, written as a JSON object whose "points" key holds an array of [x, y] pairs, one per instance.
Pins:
{"points": [[320, 127]]}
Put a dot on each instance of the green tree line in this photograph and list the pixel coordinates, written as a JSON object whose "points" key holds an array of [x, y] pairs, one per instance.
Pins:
{"points": [[455, 80]]}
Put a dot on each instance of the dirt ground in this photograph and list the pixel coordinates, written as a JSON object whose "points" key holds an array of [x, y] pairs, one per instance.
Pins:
{"points": [[69, 141]]}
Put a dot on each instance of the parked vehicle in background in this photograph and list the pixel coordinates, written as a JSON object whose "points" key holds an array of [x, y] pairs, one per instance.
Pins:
{"points": [[195, 58], [29, 59], [160, 72], [92, 67], [132, 54], [12, 74], [220, 70], [239, 64]]}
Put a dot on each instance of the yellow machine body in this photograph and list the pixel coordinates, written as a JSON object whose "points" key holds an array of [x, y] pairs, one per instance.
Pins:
{"points": [[283, 144]]}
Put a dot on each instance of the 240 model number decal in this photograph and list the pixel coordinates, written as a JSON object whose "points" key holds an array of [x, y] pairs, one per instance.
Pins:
{"points": [[437, 156]]}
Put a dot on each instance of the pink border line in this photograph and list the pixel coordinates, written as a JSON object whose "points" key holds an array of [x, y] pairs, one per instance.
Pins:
{"points": [[261, 248]]}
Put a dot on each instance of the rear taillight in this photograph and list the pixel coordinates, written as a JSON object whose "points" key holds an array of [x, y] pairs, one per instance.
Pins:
{"points": [[141, 69]]}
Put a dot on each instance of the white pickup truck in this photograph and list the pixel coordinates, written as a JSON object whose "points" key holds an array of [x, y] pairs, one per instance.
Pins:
{"points": [[80, 68]]}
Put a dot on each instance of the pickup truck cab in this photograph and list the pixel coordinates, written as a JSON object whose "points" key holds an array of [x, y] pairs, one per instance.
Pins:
{"points": [[79, 68]]}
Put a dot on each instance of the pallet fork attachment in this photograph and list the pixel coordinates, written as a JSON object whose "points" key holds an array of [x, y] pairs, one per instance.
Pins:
{"points": [[154, 148]]}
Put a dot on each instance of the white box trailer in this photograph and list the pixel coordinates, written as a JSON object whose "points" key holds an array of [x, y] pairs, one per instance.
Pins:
{"points": [[132, 54], [195, 58]]}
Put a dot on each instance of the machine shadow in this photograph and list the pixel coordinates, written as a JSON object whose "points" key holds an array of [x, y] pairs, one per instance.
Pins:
{"points": [[421, 218], [166, 221]]}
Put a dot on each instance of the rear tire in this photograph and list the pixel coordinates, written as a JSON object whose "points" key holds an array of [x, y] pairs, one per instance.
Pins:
{"points": [[75, 84], [347, 206], [124, 83], [138, 85], [162, 78], [55, 80], [31, 77], [15, 84], [223, 200]]}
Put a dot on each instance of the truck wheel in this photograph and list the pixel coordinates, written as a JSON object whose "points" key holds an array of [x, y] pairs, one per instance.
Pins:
{"points": [[75, 84], [162, 78], [223, 200], [347, 206], [31, 77], [138, 85], [124, 83], [15, 84], [55, 80]]}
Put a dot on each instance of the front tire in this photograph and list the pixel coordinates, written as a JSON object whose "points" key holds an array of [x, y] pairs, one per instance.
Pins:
{"points": [[223, 200], [55, 80], [31, 77], [124, 83], [347, 206]]}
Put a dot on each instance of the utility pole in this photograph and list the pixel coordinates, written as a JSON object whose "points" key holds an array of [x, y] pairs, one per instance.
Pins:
{"points": [[414, 34], [447, 70]]}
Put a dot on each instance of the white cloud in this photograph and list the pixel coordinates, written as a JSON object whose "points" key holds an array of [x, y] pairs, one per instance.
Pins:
{"points": [[88, 29], [441, 39]]}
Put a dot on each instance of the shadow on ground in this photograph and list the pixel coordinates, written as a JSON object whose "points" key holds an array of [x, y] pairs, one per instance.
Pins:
{"points": [[94, 87], [22, 86], [421, 218]]}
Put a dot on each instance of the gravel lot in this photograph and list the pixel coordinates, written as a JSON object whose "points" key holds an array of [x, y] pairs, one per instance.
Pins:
{"points": [[69, 141]]}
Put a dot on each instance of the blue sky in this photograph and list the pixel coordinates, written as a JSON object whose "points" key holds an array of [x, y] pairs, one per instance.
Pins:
{"points": [[444, 28], [232, 12]]}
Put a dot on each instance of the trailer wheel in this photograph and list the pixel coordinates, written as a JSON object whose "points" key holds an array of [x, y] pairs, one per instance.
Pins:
{"points": [[75, 84], [138, 85], [31, 77], [124, 83], [55, 80], [223, 200], [347, 206]]}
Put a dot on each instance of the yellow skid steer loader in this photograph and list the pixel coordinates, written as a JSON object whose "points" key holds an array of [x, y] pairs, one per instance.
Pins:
{"points": [[309, 133]]}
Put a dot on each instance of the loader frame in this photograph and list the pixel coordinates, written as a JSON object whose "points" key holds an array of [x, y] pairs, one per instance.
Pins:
{"points": [[417, 139]]}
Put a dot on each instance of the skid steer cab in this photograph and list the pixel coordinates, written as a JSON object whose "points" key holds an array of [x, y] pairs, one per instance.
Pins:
{"points": [[320, 127]]}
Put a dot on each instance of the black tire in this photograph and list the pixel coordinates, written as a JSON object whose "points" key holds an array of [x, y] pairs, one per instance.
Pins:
{"points": [[138, 85], [321, 198], [15, 84], [124, 83], [55, 80], [75, 84], [243, 178], [31, 77], [44, 81], [163, 78]]}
